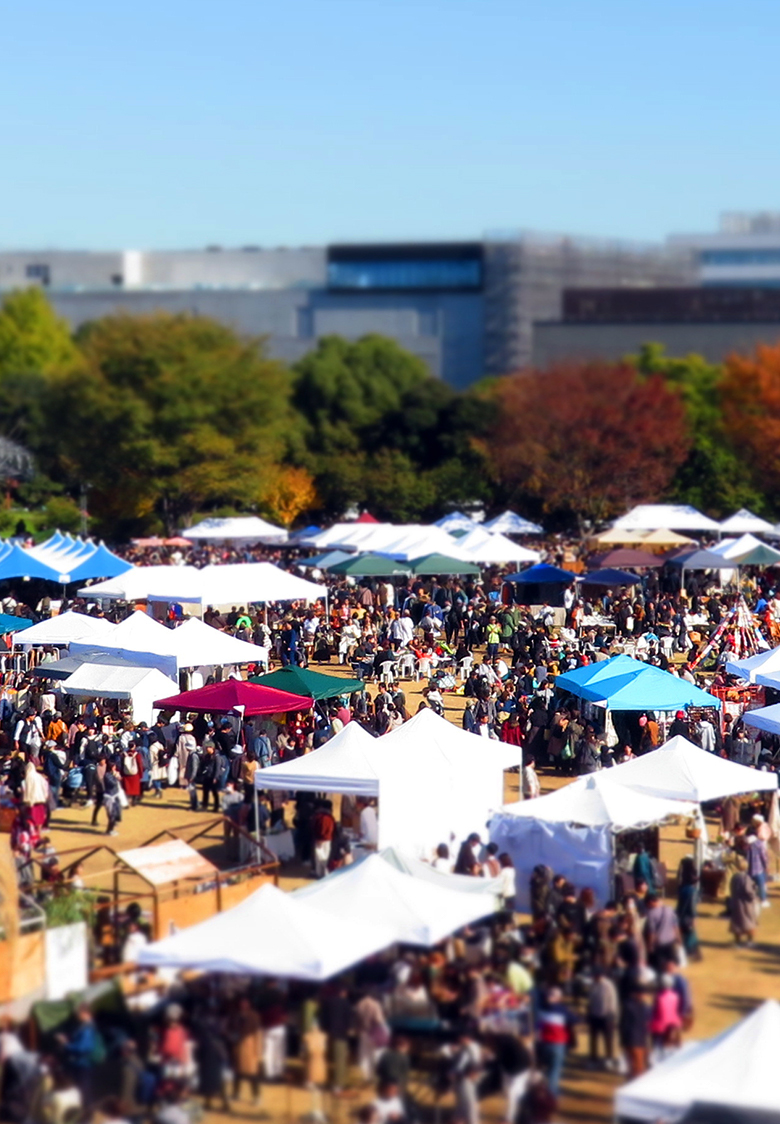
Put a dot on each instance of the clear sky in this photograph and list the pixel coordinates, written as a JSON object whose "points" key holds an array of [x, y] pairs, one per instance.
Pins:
{"points": [[178, 123]]}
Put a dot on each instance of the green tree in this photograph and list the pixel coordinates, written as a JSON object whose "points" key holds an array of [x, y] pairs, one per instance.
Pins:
{"points": [[33, 339], [169, 415], [381, 432], [714, 476]]}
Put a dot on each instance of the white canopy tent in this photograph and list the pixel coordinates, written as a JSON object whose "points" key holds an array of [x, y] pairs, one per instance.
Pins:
{"points": [[243, 528], [763, 663], [271, 933], [438, 782], [737, 1068], [510, 523], [58, 632], [665, 517], [417, 911], [572, 830], [146, 642], [480, 545], [242, 583], [680, 770], [598, 800], [134, 584], [745, 522], [434, 781], [455, 521], [401, 541], [140, 685], [346, 764]]}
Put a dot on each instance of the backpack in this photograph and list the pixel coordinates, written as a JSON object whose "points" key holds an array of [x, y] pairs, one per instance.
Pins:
{"points": [[130, 765]]}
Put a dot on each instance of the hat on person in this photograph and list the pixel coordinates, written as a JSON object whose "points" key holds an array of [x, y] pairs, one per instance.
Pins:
{"points": [[680, 714], [187, 727], [758, 818]]}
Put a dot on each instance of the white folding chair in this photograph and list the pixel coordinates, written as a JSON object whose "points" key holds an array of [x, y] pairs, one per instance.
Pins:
{"points": [[464, 667]]}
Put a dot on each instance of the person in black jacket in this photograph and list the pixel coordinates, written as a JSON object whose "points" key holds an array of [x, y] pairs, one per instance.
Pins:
{"points": [[208, 777]]}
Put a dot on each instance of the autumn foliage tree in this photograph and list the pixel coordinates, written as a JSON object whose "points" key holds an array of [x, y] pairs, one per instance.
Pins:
{"points": [[750, 396], [586, 441]]}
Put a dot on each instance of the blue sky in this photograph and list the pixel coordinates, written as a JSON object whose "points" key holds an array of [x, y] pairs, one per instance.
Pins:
{"points": [[173, 124]]}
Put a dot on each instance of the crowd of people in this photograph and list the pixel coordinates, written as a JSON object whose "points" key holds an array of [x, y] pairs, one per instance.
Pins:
{"points": [[503, 1002], [495, 1010]]}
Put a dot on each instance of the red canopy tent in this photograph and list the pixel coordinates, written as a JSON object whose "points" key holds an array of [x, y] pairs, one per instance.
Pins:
{"points": [[366, 517], [217, 698]]}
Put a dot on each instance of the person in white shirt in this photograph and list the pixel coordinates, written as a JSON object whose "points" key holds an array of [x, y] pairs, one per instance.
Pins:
{"points": [[369, 824]]}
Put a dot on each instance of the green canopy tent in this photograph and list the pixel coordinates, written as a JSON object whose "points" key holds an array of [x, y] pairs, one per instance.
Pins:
{"points": [[760, 555], [441, 564], [370, 566], [312, 684]]}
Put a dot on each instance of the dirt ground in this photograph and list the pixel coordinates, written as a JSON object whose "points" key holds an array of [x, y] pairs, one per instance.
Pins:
{"points": [[726, 984]]}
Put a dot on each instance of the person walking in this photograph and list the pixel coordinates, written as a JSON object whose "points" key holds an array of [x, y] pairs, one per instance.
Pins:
{"points": [[743, 903], [687, 900]]}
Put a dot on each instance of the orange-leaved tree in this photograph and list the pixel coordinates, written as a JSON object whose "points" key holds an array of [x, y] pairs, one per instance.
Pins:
{"points": [[750, 396], [586, 440]]}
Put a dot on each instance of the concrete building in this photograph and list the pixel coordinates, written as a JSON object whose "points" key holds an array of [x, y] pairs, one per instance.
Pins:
{"points": [[712, 321], [745, 251], [466, 308]]}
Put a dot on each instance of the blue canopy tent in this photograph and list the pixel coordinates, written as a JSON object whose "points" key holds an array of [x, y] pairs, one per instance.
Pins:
{"points": [[641, 687], [541, 584], [100, 563], [10, 623], [542, 574], [17, 563], [609, 577], [594, 672]]}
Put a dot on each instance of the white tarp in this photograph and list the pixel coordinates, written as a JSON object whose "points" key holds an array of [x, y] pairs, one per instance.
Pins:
{"points": [[239, 584], [665, 517], [271, 933], [344, 764], [583, 855], [737, 1068], [480, 545], [510, 523], [763, 663], [141, 685], [244, 528], [745, 522], [60, 631], [144, 641], [455, 521], [403, 541], [438, 783], [416, 910], [596, 800], [435, 782], [680, 770], [134, 584]]}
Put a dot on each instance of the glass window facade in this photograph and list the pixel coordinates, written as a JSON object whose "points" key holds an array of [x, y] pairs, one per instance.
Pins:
{"points": [[406, 274], [740, 257]]}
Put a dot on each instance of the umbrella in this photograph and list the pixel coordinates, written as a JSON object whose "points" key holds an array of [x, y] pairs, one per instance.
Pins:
{"points": [[611, 577], [441, 564], [370, 566], [233, 694], [313, 684]]}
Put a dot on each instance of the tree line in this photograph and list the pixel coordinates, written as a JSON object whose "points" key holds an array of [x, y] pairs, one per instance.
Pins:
{"points": [[161, 418]]}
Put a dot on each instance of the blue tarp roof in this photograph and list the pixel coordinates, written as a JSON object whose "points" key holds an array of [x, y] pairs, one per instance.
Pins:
{"points": [[604, 669], [638, 687], [542, 574], [611, 577], [100, 564], [10, 623]]}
